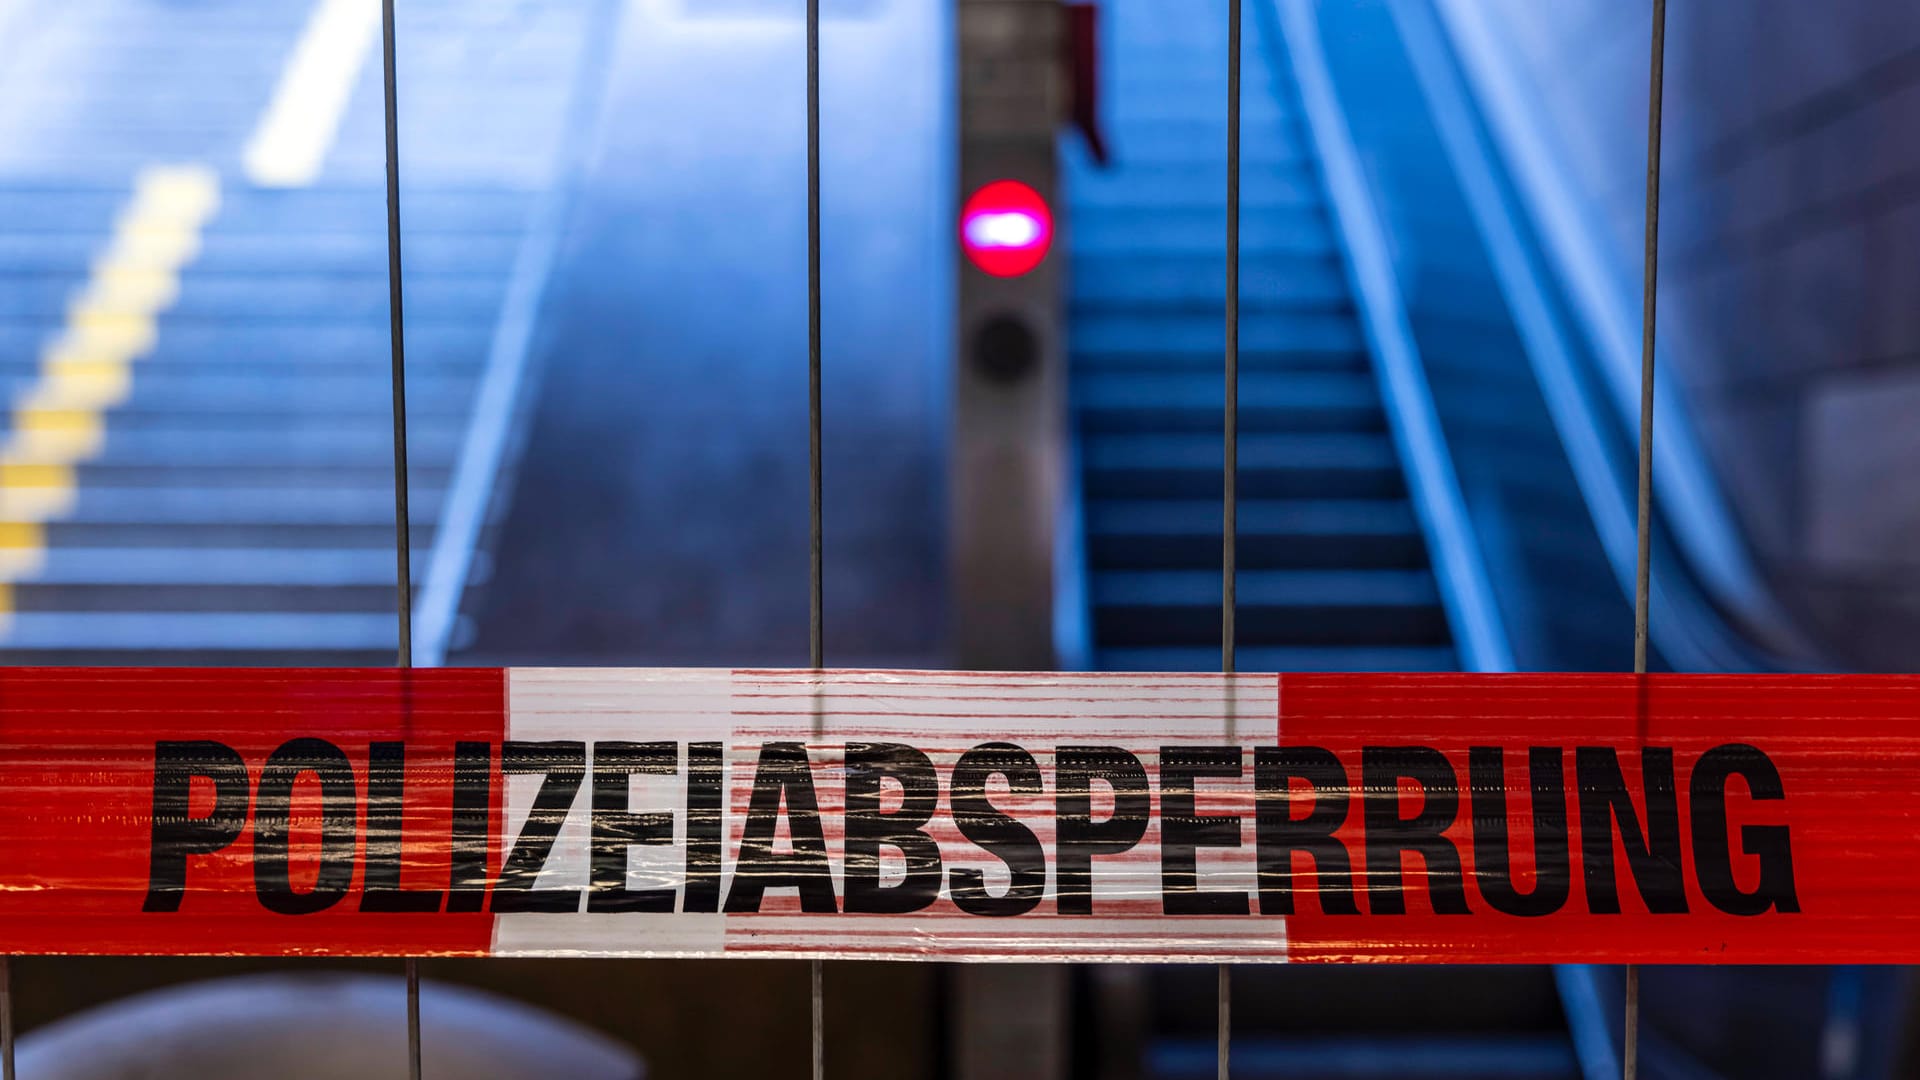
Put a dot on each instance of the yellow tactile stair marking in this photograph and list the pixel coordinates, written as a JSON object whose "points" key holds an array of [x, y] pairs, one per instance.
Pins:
{"points": [[59, 420]]}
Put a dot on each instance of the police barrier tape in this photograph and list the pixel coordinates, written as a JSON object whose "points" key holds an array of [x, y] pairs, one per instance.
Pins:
{"points": [[960, 816]]}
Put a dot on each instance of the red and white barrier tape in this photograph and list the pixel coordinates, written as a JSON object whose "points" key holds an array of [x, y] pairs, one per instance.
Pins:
{"points": [[960, 816]]}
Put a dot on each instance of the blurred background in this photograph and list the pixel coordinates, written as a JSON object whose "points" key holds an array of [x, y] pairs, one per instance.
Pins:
{"points": [[604, 236]]}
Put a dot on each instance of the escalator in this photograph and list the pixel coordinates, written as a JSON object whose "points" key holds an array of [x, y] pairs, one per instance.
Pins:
{"points": [[1384, 217], [1334, 571]]}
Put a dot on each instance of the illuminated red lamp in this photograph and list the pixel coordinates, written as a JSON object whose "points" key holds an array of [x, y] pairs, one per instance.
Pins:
{"points": [[1006, 228]]}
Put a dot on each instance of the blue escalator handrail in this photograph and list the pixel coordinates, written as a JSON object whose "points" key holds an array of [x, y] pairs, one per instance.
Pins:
{"points": [[474, 489], [1472, 613], [1720, 569]]}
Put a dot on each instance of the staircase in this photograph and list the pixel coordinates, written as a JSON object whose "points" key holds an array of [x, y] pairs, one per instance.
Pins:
{"points": [[198, 463], [1333, 570]]}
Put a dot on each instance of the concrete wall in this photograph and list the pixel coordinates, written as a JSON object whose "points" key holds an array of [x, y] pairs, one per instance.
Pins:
{"points": [[1790, 280]]}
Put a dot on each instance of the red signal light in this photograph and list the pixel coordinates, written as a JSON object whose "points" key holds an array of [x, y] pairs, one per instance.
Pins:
{"points": [[1006, 228]]}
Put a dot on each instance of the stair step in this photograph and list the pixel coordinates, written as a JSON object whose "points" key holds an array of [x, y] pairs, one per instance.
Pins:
{"points": [[358, 297], [256, 344], [158, 392], [273, 499], [67, 534], [213, 631], [249, 598], [427, 253], [313, 441], [251, 474], [288, 213], [203, 566]]}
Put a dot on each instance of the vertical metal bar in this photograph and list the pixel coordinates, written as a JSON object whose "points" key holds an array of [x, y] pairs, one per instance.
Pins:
{"points": [[1643, 571], [6, 1018], [1230, 470], [816, 621], [1230, 467], [816, 612], [1225, 1020], [1643, 576], [816, 978], [413, 1018], [402, 525], [402, 518]]}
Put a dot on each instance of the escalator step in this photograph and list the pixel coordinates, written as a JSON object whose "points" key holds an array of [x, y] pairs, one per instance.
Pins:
{"points": [[1268, 589], [1274, 607], [1335, 464], [1198, 283], [1160, 334], [1200, 118], [1270, 533], [1192, 232], [1161, 402], [1153, 186], [1337, 658]]}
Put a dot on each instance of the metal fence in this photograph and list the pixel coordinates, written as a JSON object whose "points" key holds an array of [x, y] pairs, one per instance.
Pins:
{"points": [[817, 653]]}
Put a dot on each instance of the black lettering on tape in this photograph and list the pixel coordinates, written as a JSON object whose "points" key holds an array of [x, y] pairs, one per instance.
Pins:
{"points": [[386, 848], [706, 769], [176, 834], [783, 777], [1278, 834], [616, 828], [1390, 837], [1654, 858], [472, 826], [564, 765], [997, 832], [1712, 855], [869, 767], [1183, 831], [1078, 837], [273, 825], [1492, 858]]}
